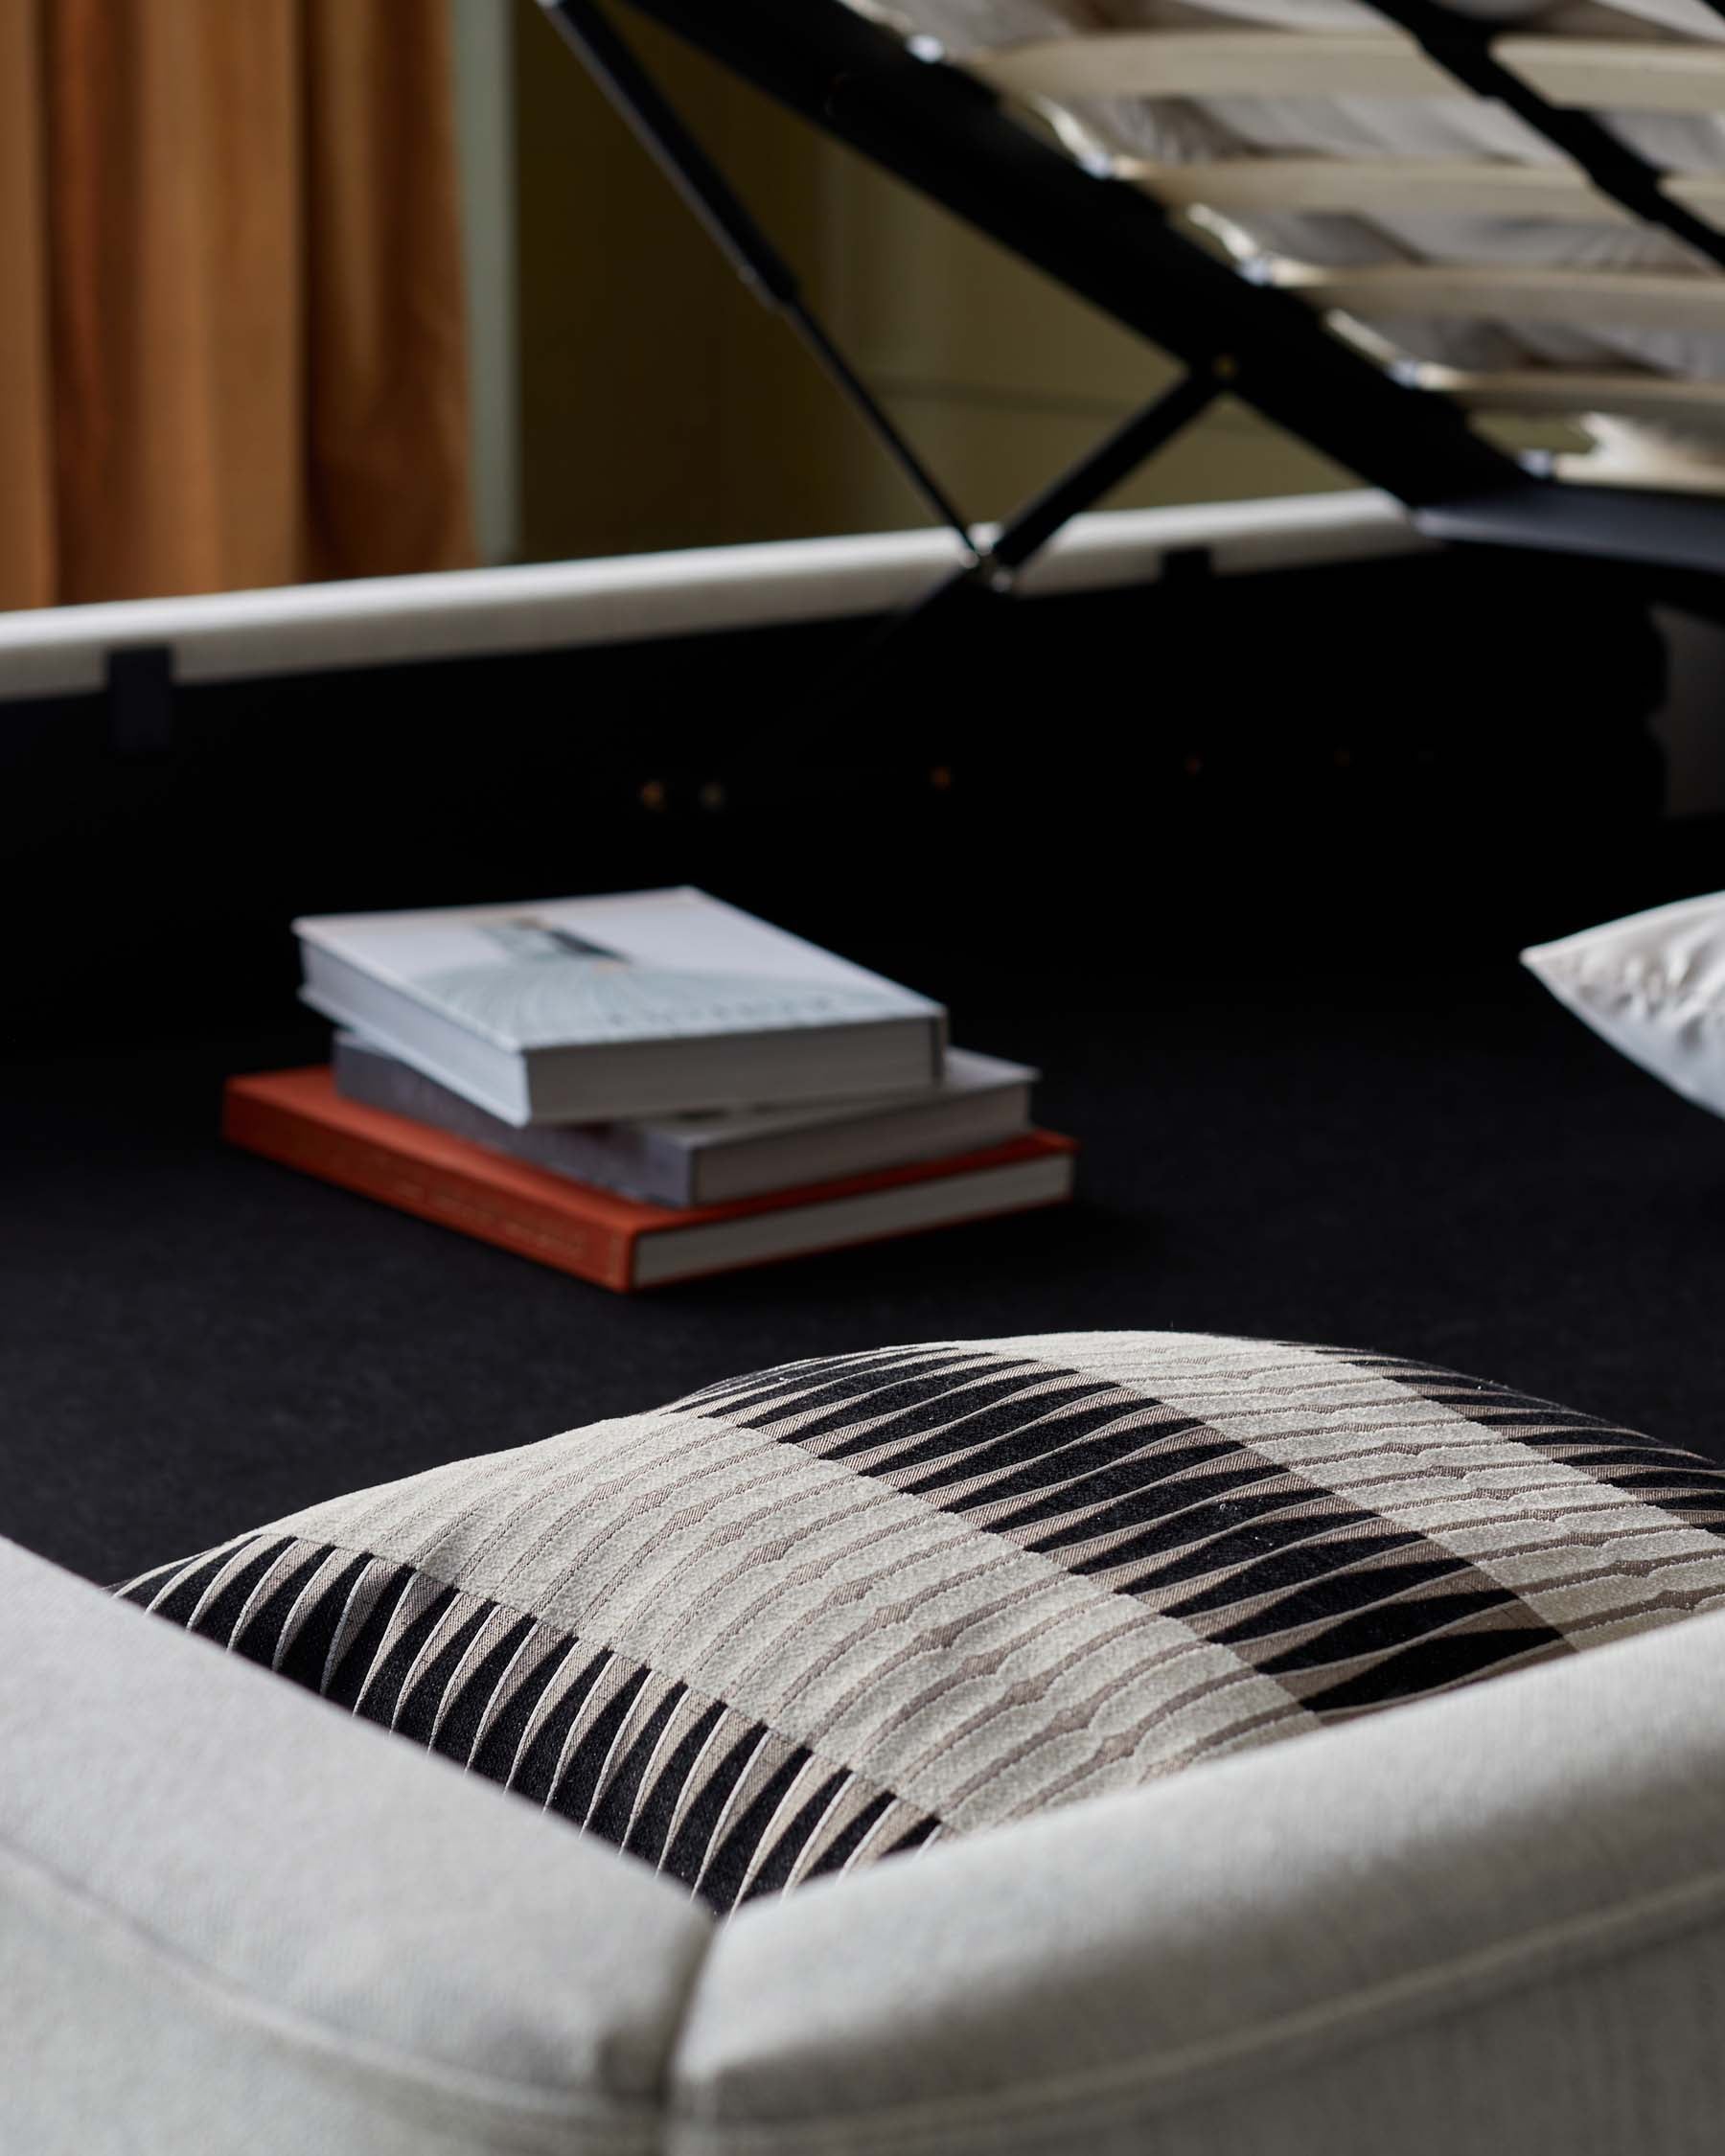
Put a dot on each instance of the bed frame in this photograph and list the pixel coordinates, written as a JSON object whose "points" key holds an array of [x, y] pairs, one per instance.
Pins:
{"points": [[1103, 229], [182, 776]]}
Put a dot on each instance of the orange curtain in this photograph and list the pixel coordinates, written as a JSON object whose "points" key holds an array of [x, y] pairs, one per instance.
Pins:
{"points": [[232, 343]]}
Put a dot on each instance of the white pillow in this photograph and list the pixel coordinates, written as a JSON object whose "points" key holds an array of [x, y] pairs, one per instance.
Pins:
{"points": [[1654, 986]]}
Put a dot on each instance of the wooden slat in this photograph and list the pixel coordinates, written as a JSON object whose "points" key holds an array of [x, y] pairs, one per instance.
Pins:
{"points": [[1701, 192], [1605, 73], [1629, 298], [1173, 63], [1405, 186], [1623, 73], [1559, 392], [1659, 474]]}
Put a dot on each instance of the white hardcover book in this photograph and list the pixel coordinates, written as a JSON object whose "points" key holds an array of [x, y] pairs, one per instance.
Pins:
{"points": [[591, 1009], [712, 1159]]}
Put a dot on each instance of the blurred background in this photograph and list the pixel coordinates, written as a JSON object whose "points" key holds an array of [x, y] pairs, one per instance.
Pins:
{"points": [[303, 289], [311, 289]]}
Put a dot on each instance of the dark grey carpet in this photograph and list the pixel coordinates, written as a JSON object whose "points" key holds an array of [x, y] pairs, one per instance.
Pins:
{"points": [[193, 1341]]}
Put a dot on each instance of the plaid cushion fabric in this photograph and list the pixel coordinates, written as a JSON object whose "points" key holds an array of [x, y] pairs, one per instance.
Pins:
{"points": [[807, 1619]]}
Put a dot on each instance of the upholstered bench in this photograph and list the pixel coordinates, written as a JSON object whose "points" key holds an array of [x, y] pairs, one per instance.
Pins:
{"points": [[961, 1675]]}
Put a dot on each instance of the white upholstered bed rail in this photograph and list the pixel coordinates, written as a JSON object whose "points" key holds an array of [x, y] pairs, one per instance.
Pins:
{"points": [[234, 1916], [1329, 151], [377, 621]]}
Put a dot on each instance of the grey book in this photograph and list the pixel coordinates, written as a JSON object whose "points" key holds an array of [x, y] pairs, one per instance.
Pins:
{"points": [[711, 1160], [646, 1003]]}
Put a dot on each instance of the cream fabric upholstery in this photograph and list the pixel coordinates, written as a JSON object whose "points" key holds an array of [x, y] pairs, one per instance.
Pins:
{"points": [[1493, 1921], [231, 1917]]}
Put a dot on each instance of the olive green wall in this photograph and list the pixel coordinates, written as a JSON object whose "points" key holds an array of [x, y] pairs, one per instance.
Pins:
{"points": [[661, 404]]}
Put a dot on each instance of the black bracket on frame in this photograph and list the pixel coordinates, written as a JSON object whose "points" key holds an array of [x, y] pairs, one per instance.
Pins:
{"points": [[140, 695], [1187, 566]]}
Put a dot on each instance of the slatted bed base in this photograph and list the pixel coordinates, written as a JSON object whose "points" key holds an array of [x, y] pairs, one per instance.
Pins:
{"points": [[1647, 76], [959, 128]]}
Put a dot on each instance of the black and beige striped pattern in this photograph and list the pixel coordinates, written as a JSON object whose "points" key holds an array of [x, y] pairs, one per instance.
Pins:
{"points": [[675, 1777], [804, 1620]]}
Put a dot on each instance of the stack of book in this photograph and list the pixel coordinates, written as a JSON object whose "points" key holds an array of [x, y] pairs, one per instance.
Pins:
{"points": [[641, 1089]]}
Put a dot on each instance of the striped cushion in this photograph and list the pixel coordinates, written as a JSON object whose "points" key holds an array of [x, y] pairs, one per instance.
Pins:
{"points": [[807, 1619]]}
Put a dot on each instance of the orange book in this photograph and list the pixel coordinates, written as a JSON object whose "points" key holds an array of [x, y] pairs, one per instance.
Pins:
{"points": [[298, 1119]]}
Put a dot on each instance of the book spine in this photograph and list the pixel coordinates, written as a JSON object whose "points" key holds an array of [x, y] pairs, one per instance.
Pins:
{"points": [[612, 1156], [602, 1254]]}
